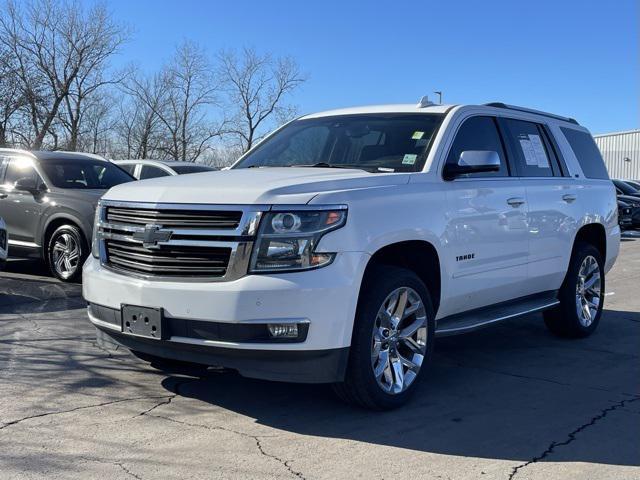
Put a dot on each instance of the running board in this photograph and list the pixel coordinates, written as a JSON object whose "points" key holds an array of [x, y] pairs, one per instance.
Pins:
{"points": [[483, 317]]}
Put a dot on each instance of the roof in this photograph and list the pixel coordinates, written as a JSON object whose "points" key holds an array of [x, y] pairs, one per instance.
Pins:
{"points": [[168, 163], [432, 108], [59, 154], [393, 108], [53, 155]]}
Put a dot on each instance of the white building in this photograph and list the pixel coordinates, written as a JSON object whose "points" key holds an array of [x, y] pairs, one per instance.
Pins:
{"points": [[621, 153]]}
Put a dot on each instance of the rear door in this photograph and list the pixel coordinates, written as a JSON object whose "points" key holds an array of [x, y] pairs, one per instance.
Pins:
{"points": [[486, 236], [552, 197]]}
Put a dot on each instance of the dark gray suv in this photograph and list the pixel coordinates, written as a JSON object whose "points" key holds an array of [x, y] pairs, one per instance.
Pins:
{"points": [[48, 199]]}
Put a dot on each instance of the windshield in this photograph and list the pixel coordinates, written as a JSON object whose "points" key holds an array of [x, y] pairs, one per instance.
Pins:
{"points": [[625, 187], [84, 174], [182, 169], [374, 142]]}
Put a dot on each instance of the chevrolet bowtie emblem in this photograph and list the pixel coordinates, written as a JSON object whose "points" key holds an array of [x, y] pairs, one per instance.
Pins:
{"points": [[151, 235]]}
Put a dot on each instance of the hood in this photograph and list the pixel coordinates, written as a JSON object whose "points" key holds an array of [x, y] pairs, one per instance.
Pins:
{"points": [[288, 185]]}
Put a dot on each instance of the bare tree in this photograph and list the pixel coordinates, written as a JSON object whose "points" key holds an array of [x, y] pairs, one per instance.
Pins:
{"points": [[11, 98], [86, 94], [56, 43], [258, 87], [139, 125], [191, 96]]}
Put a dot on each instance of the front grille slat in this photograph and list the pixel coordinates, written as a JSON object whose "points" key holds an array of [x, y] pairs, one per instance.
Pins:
{"points": [[167, 270], [217, 220], [168, 259], [171, 261]]}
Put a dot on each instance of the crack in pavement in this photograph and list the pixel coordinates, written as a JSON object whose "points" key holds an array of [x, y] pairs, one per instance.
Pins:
{"points": [[119, 464], [84, 407], [572, 435], [255, 438], [176, 392]]}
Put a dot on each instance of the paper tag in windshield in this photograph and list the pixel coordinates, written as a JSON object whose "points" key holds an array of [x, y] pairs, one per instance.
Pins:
{"points": [[417, 135], [409, 159]]}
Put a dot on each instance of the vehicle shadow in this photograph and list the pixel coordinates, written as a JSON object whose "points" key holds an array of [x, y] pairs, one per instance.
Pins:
{"points": [[500, 393], [26, 288]]}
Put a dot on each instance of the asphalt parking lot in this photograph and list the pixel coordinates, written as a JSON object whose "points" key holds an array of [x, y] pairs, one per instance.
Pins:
{"points": [[510, 402]]}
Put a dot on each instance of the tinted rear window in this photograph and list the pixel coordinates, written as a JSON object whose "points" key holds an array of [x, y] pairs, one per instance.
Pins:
{"points": [[182, 169], [587, 153]]}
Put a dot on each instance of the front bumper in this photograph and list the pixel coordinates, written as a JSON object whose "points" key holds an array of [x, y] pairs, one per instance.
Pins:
{"points": [[325, 299], [309, 366]]}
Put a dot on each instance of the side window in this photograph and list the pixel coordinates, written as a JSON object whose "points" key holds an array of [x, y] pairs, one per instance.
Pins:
{"points": [[129, 168], [149, 171], [587, 153], [532, 152], [479, 133], [19, 168]]}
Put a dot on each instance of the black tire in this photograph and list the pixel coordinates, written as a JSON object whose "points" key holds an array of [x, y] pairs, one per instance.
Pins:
{"points": [[565, 320], [66, 235], [360, 386]]}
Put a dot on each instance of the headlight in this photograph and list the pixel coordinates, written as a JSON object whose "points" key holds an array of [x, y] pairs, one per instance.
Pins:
{"points": [[287, 239], [95, 244]]}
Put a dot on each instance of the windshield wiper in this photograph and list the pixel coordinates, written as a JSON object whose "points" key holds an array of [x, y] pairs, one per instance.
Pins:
{"points": [[329, 165]]}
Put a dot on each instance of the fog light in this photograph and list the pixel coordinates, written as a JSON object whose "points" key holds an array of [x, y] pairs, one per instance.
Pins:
{"points": [[283, 330]]}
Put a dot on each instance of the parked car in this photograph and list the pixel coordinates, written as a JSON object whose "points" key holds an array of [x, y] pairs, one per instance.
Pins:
{"points": [[48, 201], [143, 169], [633, 204], [4, 246], [623, 188], [634, 183], [339, 247], [625, 215]]}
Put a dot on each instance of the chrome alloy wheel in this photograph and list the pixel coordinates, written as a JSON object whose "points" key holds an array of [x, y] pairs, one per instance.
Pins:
{"points": [[399, 340], [65, 255], [588, 291]]}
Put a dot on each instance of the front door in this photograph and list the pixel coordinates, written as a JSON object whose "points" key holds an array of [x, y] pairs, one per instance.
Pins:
{"points": [[486, 237], [21, 210]]}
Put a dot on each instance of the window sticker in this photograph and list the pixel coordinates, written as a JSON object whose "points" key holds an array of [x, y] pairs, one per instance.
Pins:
{"points": [[422, 142], [533, 151], [538, 148], [527, 150], [409, 159], [417, 135]]}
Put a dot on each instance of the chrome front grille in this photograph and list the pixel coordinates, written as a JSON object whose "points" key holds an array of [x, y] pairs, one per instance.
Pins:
{"points": [[179, 218], [168, 260], [177, 241]]}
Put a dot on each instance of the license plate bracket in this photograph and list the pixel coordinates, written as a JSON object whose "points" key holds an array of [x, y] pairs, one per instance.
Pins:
{"points": [[142, 321]]}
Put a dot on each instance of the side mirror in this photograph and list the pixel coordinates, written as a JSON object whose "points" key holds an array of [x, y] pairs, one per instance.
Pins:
{"points": [[473, 161], [26, 184]]}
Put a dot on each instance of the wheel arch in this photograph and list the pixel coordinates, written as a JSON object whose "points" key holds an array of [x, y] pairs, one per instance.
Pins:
{"points": [[594, 234], [56, 221], [419, 256]]}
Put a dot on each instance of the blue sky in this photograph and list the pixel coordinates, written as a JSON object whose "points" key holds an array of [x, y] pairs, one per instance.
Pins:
{"points": [[579, 58]]}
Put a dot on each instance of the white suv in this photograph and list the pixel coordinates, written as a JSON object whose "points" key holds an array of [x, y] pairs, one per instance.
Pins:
{"points": [[338, 248]]}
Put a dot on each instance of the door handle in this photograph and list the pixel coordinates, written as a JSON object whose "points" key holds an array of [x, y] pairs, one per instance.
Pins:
{"points": [[569, 197], [3, 195], [515, 202]]}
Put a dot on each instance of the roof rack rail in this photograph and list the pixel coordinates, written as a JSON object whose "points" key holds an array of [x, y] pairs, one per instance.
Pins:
{"points": [[530, 110]]}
